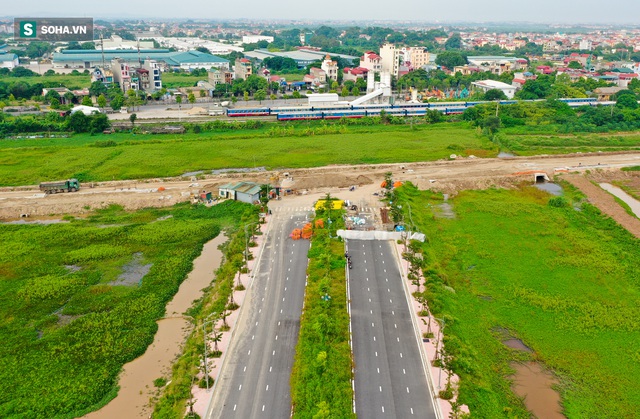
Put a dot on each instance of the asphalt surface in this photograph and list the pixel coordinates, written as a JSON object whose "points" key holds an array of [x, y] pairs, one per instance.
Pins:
{"points": [[254, 382], [390, 381]]}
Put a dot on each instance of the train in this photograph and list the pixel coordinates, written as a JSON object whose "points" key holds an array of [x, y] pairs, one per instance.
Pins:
{"points": [[288, 113]]}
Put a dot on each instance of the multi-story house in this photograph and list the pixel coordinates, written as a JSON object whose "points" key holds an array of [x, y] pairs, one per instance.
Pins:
{"points": [[330, 68], [242, 68], [390, 59]]}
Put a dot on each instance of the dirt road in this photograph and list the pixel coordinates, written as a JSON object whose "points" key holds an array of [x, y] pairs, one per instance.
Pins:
{"points": [[445, 176]]}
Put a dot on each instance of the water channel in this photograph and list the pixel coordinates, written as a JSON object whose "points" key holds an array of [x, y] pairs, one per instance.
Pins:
{"points": [[136, 379]]}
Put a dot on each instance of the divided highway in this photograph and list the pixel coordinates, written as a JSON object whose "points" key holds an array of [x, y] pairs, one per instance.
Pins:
{"points": [[255, 380], [390, 381]]}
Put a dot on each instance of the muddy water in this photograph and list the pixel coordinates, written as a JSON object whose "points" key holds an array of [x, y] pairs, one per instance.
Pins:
{"points": [[136, 379], [633, 203], [533, 383], [552, 188], [517, 344]]}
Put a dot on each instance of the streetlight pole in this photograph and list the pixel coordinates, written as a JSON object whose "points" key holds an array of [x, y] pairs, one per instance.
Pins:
{"points": [[441, 344], [204, 332]]}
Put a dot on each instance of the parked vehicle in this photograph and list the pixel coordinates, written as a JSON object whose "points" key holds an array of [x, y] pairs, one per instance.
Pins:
{"points": [[70, 185]]}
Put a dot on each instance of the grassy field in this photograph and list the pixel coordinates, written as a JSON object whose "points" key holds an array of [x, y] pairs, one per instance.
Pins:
{"points": [[66, 80], [564, 281], [175, 80], [67, 325], [527, 145], [321, 377], [31, 161]]}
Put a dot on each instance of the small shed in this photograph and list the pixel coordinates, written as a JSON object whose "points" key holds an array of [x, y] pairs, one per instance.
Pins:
{"points": [[248, 192], [323, 99]]}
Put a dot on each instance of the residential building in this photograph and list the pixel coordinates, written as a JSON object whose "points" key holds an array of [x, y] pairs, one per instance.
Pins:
{"points": [[390, 59], [486, 85], [121, 74], [605, 93], [303, 56], [416, 56], [242, 68], [371, 61], [318, 73], [585, 45], [103, 75], [155, 78], [330, 68], [466, 69], [215, 76]]}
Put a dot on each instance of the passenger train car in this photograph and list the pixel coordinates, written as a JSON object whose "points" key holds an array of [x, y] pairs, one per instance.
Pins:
{"points": [[289, 113]]}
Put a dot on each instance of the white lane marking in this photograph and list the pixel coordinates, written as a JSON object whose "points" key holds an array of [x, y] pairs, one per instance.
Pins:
{"points": [[270, 368], [381, 254], [388, 290], [391, 301], [371, 311], [274, 352], [376, 353], [412, 410], [387, 279], [240, 387], [380, 389], [290, 260], [249, 352], [374, 338], [234, 407], [278, 323], [267, 389], [400, 354], [368, 289], [395, 325], [404, 371], [398, 340], [277, 338], [260, 311], [407, 389], [367, 279], [378, 370], [369, 299], [245, 369], [280, 311], [256, 323], [285, 288], [372, 325], [366, 270], [393, 312], [382, 409], [383, 261], [262, 298], [263, 408], [253, 337], [282, 298]]}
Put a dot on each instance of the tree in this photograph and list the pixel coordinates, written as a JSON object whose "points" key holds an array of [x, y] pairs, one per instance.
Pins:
{"points": [[78, 122], [117, 102], [355, 91], [86, 101], [179, 99], [102, 101], [260, 95], [68, 97], [433, 116], [246, 96], [296, 94], [345, 91], [272, 96], [191, 98], [133, 118], [99, 123], [97, 88], [575, 65], [454, 42], [334, 85], [628, 101], [54, 103], [203, 93], [450, 59], [495, 94]]}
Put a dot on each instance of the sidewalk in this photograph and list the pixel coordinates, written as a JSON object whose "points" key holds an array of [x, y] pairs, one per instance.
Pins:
{"points": [[437, 375], [201, 397]]}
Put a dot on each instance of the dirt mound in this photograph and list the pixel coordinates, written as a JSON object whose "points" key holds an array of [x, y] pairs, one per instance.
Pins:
{"points": [[330, 180]]}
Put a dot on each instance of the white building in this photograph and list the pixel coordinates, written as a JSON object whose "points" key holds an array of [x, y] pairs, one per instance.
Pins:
{"points": [[254, 39], [8, 59], [371, 61], [390, 59], [486, 85], [585, 45], [330, 68], [116, 42]]}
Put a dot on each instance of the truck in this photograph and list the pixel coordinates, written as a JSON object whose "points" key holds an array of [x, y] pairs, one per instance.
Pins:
{"points": [[70, 185]]}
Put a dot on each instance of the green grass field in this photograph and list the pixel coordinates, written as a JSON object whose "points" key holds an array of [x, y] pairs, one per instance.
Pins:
{"points": [[66, 327], [527, 145], [66, 80], [31, 161], [566, 282], [175, 80]]}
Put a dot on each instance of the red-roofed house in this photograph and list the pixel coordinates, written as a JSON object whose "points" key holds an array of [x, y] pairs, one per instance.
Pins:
{"points": [[371, 61], [354, 73]]}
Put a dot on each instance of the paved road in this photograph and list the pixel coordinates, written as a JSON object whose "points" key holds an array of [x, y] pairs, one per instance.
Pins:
{"points": [[390, 381], [255, 379]]}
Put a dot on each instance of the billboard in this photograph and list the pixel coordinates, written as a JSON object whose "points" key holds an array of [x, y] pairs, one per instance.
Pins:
{"points": [[53, 29]]}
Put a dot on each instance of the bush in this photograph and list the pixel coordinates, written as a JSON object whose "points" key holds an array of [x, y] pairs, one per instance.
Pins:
{"points": [[160, 382], [558, 202]]}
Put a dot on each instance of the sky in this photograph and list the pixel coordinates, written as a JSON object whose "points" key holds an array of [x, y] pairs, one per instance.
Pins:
{"points": [[441, 11]]}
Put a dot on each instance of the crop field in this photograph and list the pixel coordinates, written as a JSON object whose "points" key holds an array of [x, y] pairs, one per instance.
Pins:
{"points": [[175, 80], [555, 274], [67, 80], [532, 144], [73, 314], [30, 161]]}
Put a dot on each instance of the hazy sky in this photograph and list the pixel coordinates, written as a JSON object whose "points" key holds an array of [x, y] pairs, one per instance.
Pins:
{"points": [[553, 11]]}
